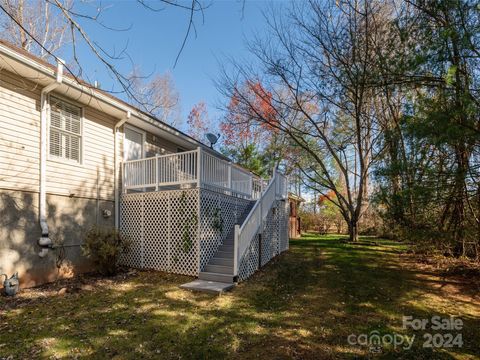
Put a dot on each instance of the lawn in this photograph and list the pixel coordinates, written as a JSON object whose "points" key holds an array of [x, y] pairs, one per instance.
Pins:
{"points": [[304, 304]]}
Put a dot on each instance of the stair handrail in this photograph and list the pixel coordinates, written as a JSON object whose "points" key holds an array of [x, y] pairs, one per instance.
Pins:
{"points": [[246, 232]]}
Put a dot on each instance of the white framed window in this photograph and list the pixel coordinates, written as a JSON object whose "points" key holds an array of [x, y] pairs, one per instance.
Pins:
{"points": [[65, 139]]}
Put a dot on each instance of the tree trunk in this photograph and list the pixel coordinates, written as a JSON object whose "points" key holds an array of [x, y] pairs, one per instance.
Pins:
{"points": [[353, 231]]}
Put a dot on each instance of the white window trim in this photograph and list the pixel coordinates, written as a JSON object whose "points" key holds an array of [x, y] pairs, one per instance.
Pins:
{"points": [[63, 160], [144, 139]]}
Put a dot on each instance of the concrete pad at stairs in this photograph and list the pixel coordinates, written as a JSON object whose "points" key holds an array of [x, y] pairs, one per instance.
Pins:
{"points": [[212, 287]]}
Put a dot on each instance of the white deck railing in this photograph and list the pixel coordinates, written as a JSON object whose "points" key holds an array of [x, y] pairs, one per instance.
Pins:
{"points": [[244, 234], [190, 167], [163, 170]]}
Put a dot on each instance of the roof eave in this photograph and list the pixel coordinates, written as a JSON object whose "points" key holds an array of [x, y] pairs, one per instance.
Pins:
{"points": [[87, 93]]}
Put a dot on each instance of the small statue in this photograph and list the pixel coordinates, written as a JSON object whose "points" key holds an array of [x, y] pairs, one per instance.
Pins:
{"points": [[10, 286]]}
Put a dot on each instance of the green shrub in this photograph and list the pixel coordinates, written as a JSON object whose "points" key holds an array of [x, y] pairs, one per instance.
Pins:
{"points": [[103, 245]]}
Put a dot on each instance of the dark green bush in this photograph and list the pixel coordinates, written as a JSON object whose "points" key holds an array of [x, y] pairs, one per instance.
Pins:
{"points": [[103, 245]]}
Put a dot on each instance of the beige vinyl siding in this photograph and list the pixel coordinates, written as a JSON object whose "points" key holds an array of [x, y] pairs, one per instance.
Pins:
{"points": [[19, 146], [19, 133], [94, 175], [155, 144], [20, 137]]}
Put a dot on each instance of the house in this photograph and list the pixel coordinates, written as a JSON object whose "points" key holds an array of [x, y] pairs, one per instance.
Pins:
{"points": [[73, 156], [294, 221]]}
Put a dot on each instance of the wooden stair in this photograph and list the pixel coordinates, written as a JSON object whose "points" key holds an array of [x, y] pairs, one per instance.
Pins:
{"points": [[217, 277], [220, 267]]}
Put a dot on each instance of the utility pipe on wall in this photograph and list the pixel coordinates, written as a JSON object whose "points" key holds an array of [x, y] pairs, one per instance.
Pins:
{"points": [[115, 168], [45, 242]]}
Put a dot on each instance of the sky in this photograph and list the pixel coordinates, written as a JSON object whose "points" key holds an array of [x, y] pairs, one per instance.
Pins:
{"points": [[154, 40]]}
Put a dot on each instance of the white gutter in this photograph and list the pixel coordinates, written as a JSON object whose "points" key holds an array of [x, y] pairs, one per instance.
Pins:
{"points": [[116, 173], [45, 242]]}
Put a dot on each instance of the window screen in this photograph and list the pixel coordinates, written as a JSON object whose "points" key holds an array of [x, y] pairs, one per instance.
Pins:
{"points": [[65, 130]]}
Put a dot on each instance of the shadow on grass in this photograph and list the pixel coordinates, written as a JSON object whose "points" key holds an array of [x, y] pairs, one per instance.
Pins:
{"points": [[303, 305]]}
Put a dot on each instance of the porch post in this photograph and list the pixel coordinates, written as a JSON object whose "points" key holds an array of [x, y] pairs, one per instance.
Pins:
{"points": [[260, 221], [251, 185], [199, 166], [122, 169], [156, 172], [275, 180], [287, 184], [229, 176], [235, 249]]}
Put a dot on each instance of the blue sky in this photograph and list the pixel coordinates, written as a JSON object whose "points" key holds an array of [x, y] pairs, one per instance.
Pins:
{"points": [[155, 38]]}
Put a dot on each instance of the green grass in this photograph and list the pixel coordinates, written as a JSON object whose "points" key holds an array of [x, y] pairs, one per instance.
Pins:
{"points": [[304, 304]]}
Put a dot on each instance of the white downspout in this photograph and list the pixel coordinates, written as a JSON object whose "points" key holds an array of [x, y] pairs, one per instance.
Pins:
{"points": [[116, 167], [45, 242]]}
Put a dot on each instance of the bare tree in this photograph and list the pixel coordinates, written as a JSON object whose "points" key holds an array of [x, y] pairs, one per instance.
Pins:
{"points": [[158, 96], [318, 66], [40, 20], [30, 34]]}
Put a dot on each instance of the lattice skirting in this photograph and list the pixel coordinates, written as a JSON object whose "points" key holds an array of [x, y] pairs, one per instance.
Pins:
{"points": [[274, 240], [163, 228], [218, 216], [177, 231]]}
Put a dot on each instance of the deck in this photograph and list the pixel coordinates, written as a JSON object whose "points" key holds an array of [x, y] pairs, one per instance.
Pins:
{"points": [[190, 169], [196, 214]]}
